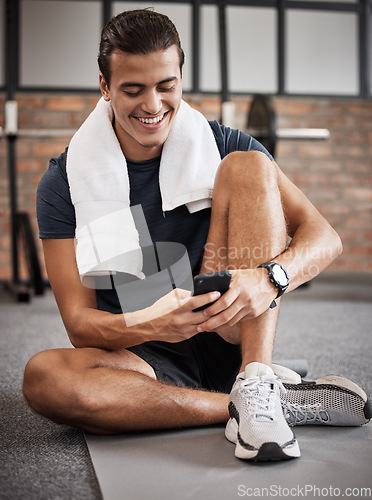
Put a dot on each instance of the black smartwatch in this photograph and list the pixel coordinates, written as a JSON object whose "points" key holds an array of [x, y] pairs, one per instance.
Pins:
{"points": [[277, 275]]}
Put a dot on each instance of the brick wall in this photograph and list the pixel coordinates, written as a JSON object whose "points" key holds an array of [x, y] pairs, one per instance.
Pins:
{"points": [[335, 174]]}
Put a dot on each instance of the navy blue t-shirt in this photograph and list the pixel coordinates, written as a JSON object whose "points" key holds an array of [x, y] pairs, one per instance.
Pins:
{"points": [[56, 213]]}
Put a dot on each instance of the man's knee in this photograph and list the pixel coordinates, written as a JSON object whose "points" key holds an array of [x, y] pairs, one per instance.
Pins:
{"points": [[48, 386], [251, 169], [34, 374]]}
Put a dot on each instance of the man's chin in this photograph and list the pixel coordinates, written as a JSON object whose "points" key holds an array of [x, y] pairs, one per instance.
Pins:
{"points": [[153, 142], [153, 145]]}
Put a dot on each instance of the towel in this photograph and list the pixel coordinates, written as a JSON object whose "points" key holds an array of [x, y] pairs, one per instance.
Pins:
{"points": [[106, 237]]}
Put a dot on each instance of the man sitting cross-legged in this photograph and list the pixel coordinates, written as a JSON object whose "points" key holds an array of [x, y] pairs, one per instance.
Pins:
{"points": [[165, 365]]}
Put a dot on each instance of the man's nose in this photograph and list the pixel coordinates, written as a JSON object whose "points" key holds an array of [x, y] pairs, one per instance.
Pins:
{"points": [[152, 103]]}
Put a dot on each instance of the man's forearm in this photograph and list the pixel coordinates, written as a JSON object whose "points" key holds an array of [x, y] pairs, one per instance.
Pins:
{"points": [[170, 319], [94, 328], [313, 247]]}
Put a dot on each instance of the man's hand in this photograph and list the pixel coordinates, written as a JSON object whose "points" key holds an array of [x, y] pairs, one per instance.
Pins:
{"points": [[171, 318], [250, 294]]}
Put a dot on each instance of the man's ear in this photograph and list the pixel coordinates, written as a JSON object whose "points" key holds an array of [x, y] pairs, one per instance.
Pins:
{"points": [[105, 91]]}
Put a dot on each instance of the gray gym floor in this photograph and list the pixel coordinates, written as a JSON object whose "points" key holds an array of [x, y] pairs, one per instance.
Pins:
{"points": [[328, 323]]}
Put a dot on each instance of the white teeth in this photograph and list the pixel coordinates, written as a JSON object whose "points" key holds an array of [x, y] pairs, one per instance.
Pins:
{"points": [[151, 120]]}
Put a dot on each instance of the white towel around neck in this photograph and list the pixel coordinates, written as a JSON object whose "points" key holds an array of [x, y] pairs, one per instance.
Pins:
{"points": [[107, 240]]}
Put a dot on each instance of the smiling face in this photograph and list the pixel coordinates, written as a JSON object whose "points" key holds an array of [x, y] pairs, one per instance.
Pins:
{"points": [[145, 93]]}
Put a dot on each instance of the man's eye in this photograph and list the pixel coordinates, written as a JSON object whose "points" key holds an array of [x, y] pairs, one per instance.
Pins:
{"points": [[133, 94], [166, 89]]}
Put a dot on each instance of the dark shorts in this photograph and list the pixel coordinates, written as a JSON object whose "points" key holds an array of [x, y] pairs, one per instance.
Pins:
{"points": [[204, 361]]}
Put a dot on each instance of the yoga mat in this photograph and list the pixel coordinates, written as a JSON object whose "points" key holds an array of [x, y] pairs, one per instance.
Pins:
{"points": [[199, 464]]}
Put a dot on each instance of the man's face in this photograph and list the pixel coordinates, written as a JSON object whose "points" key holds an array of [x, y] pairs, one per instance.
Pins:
{"points": [[145, 93]]}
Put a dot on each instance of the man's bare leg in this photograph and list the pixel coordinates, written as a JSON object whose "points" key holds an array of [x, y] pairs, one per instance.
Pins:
{"points": [[111, 392], [255, 232], [247, 228]]}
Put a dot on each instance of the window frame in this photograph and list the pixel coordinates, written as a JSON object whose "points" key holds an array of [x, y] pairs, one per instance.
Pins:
{"points": [[362, 8]]}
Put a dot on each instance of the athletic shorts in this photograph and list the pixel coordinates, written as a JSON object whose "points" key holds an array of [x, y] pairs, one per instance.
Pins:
{"points": [[204, 361]]}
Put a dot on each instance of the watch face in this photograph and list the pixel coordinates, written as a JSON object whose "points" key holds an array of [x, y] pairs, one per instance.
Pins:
{"points": [[279, 275]]}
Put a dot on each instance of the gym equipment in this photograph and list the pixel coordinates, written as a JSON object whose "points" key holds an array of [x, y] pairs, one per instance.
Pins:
{"points": [[26, 239], [21, 231], [261, 124]]}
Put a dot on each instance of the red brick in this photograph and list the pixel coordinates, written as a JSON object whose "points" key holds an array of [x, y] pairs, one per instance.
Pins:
{"points": [[333, 208], [30, 102], [363, 194], [284, 149], [367, 250], [360, 219], [210, 105], [324, 194], [310, 179], [349, 235], [358, 166], [66, 103], [91, 100], [362, 107], [333, 122], [333, 220], [336, 107], [294, 107], [30, 165], [47, 149], [319, 150], [328, 166], [23, 147], [335, 174]]}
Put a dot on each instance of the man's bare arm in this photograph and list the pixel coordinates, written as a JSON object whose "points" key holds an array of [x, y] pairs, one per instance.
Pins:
{"points": [[170, 319], [314, 243]]}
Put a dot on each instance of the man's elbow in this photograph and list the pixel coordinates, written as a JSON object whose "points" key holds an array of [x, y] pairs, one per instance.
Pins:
{"points": [[340, 247], [335, 243], [76, 332], [76, 338]]}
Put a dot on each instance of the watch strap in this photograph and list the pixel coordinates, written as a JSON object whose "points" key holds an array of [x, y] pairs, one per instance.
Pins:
{"points": [[281, 289]]}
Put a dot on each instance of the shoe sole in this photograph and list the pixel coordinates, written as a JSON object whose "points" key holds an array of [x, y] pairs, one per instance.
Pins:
{"points": [[231, 430], [267, 452], [359, 410]]}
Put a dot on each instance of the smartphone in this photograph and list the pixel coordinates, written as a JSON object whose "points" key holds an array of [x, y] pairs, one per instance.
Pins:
{"points": [[211, 282]]}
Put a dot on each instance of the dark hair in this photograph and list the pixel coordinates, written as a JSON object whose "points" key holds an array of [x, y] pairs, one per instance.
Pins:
{"points": [[139, 31]]}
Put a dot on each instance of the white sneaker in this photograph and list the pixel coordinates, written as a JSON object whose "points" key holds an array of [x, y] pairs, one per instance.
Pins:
{"points": [[257, 424]]}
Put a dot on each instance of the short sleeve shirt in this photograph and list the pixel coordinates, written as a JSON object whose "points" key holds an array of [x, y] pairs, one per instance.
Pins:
{"points": [[56, 213]]}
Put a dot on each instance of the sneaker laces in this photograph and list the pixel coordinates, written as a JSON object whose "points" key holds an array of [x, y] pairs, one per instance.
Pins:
{"points": [[303, 414], [260, 394]]}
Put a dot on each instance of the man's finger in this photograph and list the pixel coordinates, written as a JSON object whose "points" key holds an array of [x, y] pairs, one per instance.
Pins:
{"points": [[200, 301], [223, 303], [220, 319]]}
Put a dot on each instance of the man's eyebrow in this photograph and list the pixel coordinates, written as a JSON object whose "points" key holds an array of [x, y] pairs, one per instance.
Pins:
{"points": [[142, 85], [168, 80]]}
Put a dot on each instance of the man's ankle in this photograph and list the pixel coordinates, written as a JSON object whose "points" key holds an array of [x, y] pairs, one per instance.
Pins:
{"points": [[257, 359]]}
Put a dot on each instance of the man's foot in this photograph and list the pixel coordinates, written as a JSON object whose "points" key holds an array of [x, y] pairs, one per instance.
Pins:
{"points": [[330, 400], [257, 423]]}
